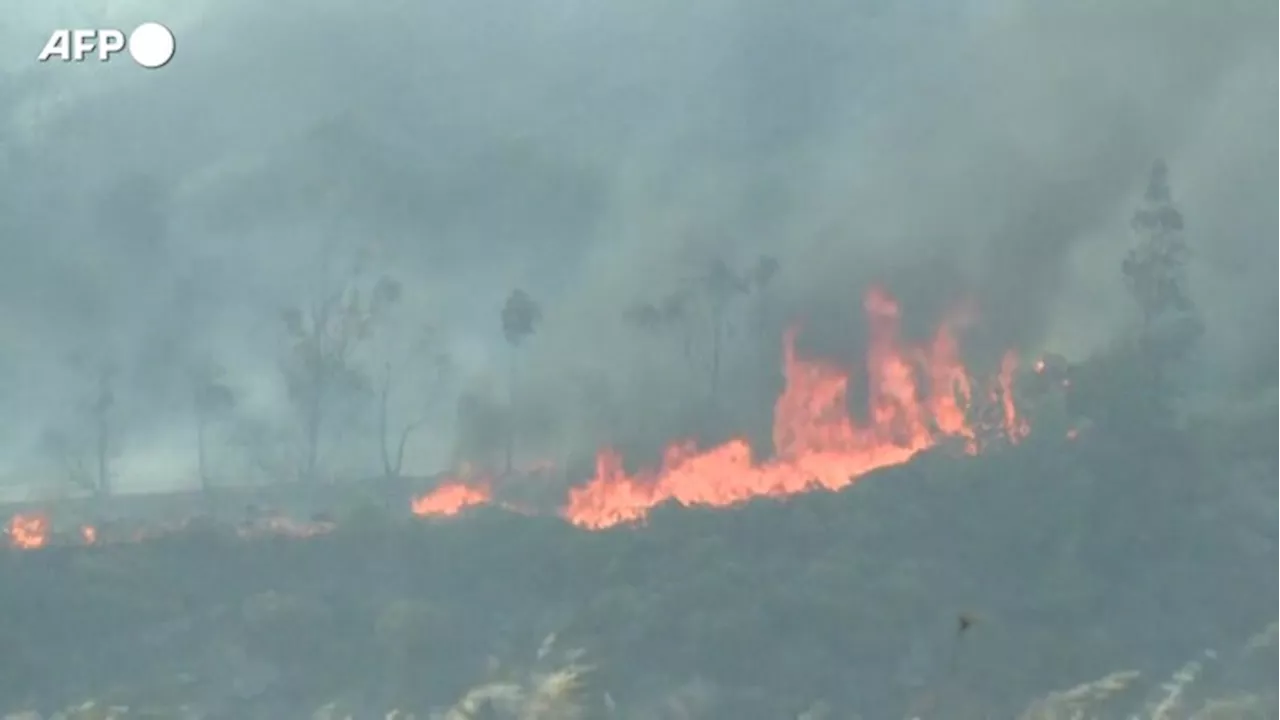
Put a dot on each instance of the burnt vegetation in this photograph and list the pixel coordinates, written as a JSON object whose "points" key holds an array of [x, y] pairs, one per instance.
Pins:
{"points": [[950, 587]]}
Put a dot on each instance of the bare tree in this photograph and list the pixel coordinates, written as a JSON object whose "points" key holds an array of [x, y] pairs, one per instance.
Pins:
{"points": [[323, 337], [212, 398], [671, 313], [85, 444], [426, 344], [721, 286], [714, 293], [761, 277], [520, 317], [103, 402]]}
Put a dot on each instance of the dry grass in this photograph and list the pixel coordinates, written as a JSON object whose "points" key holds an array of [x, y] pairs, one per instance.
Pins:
{"points": [[1172, 702], [556, 690], [1073, 704], [555, 694]]}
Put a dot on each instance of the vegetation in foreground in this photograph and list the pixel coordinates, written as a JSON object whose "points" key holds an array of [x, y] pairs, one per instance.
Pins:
{"points": [[950, 587]]}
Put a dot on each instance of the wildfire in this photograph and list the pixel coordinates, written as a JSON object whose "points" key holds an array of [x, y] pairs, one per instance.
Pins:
{"points": [[1015, 427], [451, 498], [28, 531], [917, 397], [817, 444]]}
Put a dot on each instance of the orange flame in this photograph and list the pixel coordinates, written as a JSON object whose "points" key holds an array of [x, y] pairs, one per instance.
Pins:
{"points": [[1015, 427], [28, 531], [451, 498], [917, 398], [816, 442]]}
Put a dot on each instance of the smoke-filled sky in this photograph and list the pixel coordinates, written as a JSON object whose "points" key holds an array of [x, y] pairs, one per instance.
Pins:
{"points": [[598, 155]]}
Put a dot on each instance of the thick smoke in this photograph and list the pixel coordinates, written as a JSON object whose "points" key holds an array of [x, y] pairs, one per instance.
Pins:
{"points": [[603, 156]]}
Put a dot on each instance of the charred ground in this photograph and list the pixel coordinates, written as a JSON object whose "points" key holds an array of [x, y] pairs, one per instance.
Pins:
{"points": [[1067, 559]]}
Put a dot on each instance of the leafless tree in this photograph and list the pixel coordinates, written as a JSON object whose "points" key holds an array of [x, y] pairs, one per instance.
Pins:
{"points": [[520, 317], [709, 297], [212, 398], [323, 336], [424, 350], [721, 286]]}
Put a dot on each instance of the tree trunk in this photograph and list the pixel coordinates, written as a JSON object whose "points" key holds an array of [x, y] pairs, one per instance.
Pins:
{"points": [[201, 460], [404, 441], [717, 333], [510, 434], [313, 441], [388, 471], [103, 449]]}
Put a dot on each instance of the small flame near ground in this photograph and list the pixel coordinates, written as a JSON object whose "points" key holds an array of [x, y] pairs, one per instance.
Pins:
{"points": [[452, 498], [28, 531]]}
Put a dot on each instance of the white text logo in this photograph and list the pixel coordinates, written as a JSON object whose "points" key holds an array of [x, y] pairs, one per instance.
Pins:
{"points": [[150, 44]]}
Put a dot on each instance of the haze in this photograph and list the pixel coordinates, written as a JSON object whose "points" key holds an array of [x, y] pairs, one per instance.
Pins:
{"points": [[597, 155]]}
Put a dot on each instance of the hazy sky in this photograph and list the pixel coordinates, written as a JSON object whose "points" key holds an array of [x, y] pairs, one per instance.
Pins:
{"points": [[595, 153]]}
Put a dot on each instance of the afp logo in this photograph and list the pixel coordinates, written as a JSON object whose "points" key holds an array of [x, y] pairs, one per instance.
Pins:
{"points": [[150, 44]]}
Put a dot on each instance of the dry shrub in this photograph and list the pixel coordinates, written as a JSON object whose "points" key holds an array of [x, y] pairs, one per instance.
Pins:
{"points": [[555, 694], [1073, 704], [1172, 703]]}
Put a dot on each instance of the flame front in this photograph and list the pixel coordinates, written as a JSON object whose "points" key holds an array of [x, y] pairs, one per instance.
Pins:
{"points": [[817, 444], [451, 498], [28, 531], [917, 397]]}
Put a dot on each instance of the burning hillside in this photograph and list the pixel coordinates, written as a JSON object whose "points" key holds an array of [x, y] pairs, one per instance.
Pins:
{"points": [[918, 396]]}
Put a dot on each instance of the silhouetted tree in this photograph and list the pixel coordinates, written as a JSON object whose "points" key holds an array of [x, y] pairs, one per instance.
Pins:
{"points": [[86, 444], [520, 317], [714, 291], [323, 337], [1155, 273], [722, 286], [211, 399], [393, 462], [1131, 390], [762, 276], [100, 409], [764, 271], [671, 312]]}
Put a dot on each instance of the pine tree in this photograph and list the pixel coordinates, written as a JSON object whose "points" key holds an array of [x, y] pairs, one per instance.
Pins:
{"points": [[1155, 272]]}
